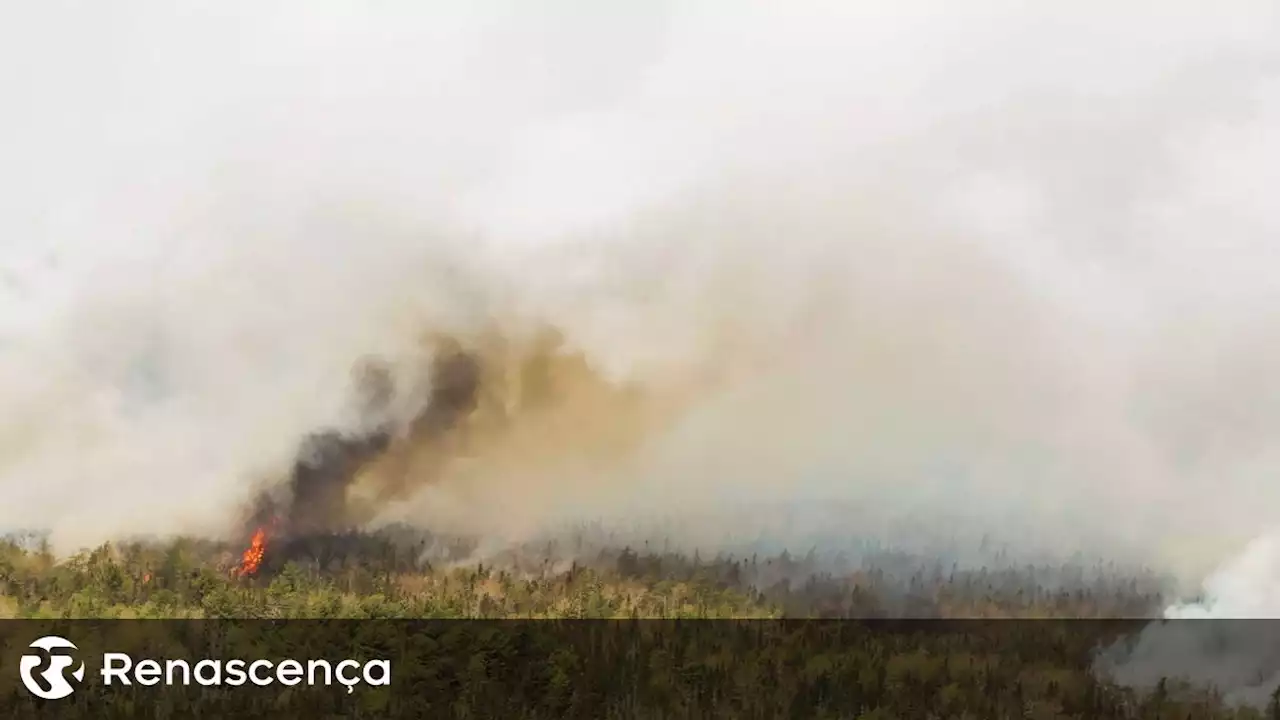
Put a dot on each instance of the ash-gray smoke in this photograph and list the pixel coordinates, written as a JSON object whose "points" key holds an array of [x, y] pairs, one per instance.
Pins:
{"points": [[1005, 266]]}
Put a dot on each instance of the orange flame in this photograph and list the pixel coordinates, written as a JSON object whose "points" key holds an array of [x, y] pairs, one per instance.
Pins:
{"points": [[252, 557]]}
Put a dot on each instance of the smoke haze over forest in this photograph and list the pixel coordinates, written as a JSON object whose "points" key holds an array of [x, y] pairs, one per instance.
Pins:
{"points": [[1006, 269]]}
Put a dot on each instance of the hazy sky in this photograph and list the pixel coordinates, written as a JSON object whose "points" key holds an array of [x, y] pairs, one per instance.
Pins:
{"points": [[1022, 255]]}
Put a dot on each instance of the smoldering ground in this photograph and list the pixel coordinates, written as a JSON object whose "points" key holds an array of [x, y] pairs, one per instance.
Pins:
{"points": [[995, 269]]}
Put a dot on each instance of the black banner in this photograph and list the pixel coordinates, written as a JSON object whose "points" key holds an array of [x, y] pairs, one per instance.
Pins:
{"points": [[593, 669]]}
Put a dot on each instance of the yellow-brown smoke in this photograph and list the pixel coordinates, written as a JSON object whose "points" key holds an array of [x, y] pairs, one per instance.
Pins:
{"points": [[1042, 278], [533, 406]]}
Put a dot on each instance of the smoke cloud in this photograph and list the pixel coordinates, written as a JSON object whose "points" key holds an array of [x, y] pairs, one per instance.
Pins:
{"points": [[1003, 269]]}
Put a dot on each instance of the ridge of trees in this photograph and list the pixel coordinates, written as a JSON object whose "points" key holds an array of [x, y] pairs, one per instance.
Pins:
{"points": [[1025, 670]]}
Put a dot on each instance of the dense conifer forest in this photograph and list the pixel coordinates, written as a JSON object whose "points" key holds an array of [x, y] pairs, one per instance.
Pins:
{"points": [[1027, 648]]}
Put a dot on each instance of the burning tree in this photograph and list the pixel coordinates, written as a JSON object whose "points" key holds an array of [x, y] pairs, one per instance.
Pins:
{"points": [[251, 560]]}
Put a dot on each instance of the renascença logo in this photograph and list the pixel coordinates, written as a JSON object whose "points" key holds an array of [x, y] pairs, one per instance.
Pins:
{"points": [[54, 676], [123, 669]]}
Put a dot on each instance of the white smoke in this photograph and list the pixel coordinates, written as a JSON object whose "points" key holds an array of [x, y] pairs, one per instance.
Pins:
{"points": [[1227, 640], [1009, 265], [1246, 587]]}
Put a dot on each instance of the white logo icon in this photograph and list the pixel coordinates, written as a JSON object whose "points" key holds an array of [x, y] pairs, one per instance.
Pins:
{"points": [[53, 675]]}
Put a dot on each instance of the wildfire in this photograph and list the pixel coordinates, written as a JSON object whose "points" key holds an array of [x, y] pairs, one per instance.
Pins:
{"points": [[252, 557]]}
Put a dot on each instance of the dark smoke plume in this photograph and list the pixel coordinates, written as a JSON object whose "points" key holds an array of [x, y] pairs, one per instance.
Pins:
{"points": [[493, 404], [328, 463]]}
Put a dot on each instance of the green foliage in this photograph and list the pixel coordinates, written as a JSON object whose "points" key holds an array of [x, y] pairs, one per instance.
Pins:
{"points": [[173, 581], [739, 669]]}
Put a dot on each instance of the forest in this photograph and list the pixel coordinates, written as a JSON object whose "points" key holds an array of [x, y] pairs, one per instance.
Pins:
{"points": [[887, 635]]}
